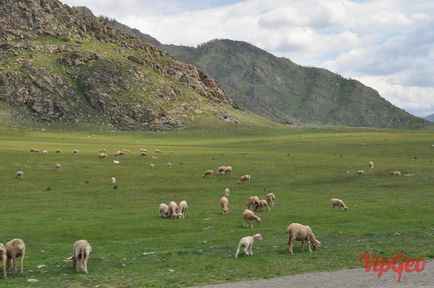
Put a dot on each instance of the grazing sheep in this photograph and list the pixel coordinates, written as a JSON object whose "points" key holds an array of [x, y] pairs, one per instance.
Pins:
{"points": [[396, 173], [301, 233], [116, 162], [4, 257], [221, 170], [34, 150], [253, 202], [58, 151], [80, 254], [271, 199], [227, 192], [152, 166], [164, 210], [45, 152], [144, 154], [361, 172], [102, 155], [247, 244], [224, 204], [157, 151], [143, 150], [19, 175], [338, 203], [103, 150], [263, 203], [173, 209], [208, 173], [15, 248], [371, 165], [58, 167], [120, 153], [244, 179], [75, 151], [182, 209], [228, 170], [169, 164], [249, 216], [113, 180]]}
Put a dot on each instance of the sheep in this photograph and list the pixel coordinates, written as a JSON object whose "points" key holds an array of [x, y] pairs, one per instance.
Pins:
{"points": [[4, 257], [80, 254], [173, 209], [157, 151], [102, 155], [244, 178], [221, 170], [271, 199], [263, 203], [247, 244], [58, 167], [19, 175], [361, 172], [253, 202], [228, 170], [164, 210], [227, 192], [116, 162], [371, 165], [103, 150], [224, 204], [144, 154], [301, 233], [113, 180], [75, 151], [45, 152], [182, 209], [120, 153], [143, 150], [208, 173], [154, 157], [58, 151], [169, 164], [338, 203], [249, 216], [396, 173], [15, 248], [152, 166], [34, 150]]}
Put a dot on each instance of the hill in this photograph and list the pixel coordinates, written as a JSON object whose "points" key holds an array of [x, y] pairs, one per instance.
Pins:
{"points": [[429, 118], [63, 65]]}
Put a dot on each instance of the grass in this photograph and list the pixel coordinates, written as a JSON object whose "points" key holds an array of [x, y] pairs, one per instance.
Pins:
{"points": [[133, 247]]}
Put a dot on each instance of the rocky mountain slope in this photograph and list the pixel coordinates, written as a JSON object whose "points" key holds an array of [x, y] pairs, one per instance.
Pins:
{"points": [[61, 65]]}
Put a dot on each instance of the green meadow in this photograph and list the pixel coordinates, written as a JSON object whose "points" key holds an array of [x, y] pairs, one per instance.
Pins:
{"points": [[133, 247]]}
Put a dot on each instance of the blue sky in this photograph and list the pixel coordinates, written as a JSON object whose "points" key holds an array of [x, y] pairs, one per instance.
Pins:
{"points": [[385, 44]]}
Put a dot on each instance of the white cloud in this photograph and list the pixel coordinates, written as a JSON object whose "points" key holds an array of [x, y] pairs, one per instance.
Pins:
{"points": [[388, 43]]}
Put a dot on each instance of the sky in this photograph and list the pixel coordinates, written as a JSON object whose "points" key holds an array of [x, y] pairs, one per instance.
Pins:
{"points": [[386, 44]]}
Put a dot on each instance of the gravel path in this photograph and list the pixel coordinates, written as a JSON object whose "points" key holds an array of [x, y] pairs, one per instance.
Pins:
{"points": [[354, 278]]}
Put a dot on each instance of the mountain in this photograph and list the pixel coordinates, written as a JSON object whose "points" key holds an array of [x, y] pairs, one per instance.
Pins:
{"points": [[64, 65], [429, 118], [283, 91]]}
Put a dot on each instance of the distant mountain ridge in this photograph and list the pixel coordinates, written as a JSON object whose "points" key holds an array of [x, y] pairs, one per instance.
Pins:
{"points": [[286, 92], [429, 118]]}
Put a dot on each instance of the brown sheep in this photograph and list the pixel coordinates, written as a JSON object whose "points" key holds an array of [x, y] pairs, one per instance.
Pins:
{"points": [[338, 203], [208, 173], [14, 249], [244, 179], [249, 216], [224, 204], [80, 254], [301, 233]]}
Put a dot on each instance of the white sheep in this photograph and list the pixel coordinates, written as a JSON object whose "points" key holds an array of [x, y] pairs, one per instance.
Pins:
{"points": [[80, 255], [14, 249], [169, 164], [164, 210], [152, 166], [361, 172], [271, 199], [221, 170], [116, 162], [371, 165], [144, 154], [228, 170], [34, 150], [182, 209], [208, 173], [247, 244], [227, 192], [19, 175], [102, 155], [113, 180], [58, 167], [157, 151], [253, 202], [173, 209], [4, 257], [338, 203], [120, 153], [248, 217], [301, 233], [244, 179], [263, 203], [224, 204], [396, 173], [45, 152]]}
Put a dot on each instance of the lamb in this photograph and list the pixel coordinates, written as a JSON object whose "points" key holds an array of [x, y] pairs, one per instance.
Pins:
{"points": [[224, 203], [396, 173], [58, 167], [15, 248], [361, 172], [75, 151], [113, 180], [164, 210], [19, 175], [182, 209], [301, 233], [253, 202], [227, 192], [371, 165], [249, 216], [208, 173], [80, 254], [169, 164], [152, 166], [4, 257], [116, 162], [338, 203], [247, 244], [271, 199], [173, 209], [263, 203], [244, 178]]}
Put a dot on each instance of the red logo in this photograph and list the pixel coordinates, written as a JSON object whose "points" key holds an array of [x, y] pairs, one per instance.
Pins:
{"points": [[399, 264]]}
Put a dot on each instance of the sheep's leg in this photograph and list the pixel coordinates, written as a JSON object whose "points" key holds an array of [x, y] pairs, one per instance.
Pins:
{"points": [[309, 244], [22, 260], [4, 266], [238, 250], [251, 249], [302, 245], [85, 264], [290, 245], [14, 263]]}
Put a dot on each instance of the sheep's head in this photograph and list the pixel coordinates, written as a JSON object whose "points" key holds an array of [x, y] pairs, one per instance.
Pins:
{"points": [[258, 219], [345, 208], [2, 250], [315, 244], [257, 237], [226, 210]]}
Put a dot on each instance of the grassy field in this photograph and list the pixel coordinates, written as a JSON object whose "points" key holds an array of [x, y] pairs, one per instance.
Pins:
{"points": [[134, 247]]}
